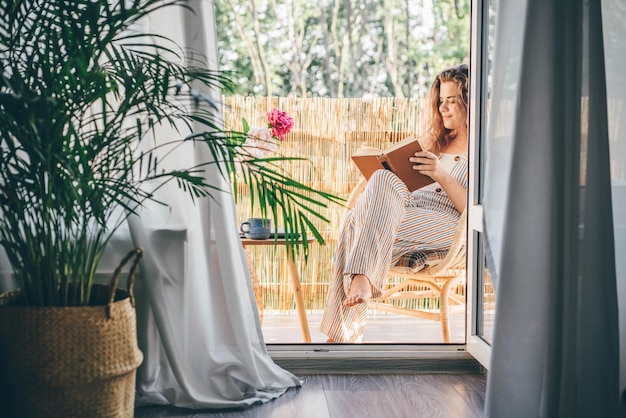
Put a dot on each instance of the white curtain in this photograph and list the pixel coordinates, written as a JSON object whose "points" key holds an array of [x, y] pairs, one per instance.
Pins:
{"points": [[197, 321], [548, 211]]}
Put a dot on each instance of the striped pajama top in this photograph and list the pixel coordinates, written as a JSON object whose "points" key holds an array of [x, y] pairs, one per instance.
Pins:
{"points": [[431, 223], [433, 197]]}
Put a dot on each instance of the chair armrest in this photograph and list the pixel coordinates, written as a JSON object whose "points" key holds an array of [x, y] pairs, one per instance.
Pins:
{"points": [[356, 192]]}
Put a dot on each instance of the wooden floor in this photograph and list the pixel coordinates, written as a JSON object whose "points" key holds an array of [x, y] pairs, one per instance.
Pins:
{"points": [[412, 395], [362, 396]]}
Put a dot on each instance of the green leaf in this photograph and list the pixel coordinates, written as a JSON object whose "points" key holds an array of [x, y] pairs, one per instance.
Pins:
{"points": [[82, 92]]}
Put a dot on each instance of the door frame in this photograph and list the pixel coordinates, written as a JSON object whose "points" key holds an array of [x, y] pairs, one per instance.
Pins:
{"points": [[312, 357], [475, 344]]}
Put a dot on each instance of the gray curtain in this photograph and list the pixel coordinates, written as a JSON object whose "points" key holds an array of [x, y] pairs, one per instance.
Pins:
{"points": [[548, 214], [613, 18]]}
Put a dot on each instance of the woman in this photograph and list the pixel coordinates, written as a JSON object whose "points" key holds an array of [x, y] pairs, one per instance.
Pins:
{"points": [[388, 221]]}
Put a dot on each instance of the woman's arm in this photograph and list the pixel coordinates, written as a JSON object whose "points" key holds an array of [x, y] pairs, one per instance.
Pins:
{"points": [[428, 163]]}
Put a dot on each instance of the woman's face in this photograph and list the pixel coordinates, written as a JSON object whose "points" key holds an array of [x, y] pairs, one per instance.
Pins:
{"points": [[450, 107]]}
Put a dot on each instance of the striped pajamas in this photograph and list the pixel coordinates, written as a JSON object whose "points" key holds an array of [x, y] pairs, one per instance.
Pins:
{"points": [[386, 223]]}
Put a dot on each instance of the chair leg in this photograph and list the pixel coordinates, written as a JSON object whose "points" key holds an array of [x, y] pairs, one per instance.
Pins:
{"points": [[445, 309]]}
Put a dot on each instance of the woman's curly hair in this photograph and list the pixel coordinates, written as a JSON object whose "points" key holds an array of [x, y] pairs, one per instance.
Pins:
{"points": [[439, 136]]}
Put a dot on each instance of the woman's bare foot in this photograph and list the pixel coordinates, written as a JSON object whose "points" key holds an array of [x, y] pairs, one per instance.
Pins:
{"points": [[360, 291]]}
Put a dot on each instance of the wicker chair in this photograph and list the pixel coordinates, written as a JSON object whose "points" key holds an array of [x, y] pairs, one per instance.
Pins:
{"points": [[429, 278]]}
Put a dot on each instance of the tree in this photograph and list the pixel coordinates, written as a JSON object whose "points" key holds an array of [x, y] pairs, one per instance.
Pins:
{"points": [[341, 48]]}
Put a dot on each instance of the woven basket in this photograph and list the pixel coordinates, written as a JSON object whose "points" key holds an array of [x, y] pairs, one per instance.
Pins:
{"points": [[72, 361]]}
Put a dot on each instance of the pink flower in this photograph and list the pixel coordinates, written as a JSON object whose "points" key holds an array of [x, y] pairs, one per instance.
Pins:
{"points": [[280, 122]]}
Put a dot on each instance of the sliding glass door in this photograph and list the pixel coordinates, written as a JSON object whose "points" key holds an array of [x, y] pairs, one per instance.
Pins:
{"points": [[480, 293]]}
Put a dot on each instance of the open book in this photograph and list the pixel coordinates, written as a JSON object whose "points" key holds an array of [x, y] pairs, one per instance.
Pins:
{"points": [[394, 158]]}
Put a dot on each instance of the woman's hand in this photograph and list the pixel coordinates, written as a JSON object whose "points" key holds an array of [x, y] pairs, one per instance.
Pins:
{"points": [[427, 163]]}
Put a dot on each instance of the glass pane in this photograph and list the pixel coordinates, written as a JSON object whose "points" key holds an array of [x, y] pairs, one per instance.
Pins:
{"points": [[485, 293], [485, 104], [488, 305]]}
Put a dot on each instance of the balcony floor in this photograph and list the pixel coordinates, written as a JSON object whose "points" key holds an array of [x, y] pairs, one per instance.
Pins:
{"points": [[284, 328]]}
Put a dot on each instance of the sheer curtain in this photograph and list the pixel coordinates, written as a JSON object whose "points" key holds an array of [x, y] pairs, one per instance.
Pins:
{"points": [[197, 321], [613, 18], [548, 212], [198, 326]]}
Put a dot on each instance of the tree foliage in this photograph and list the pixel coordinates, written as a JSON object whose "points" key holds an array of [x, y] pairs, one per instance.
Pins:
{"points": [[340, 48]]}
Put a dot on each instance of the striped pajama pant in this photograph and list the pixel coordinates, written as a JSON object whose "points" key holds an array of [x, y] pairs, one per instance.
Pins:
{"points": [[385, 223]]}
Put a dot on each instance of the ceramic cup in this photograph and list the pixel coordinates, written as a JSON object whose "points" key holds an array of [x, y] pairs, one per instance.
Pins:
{"points": [[256, 228]]}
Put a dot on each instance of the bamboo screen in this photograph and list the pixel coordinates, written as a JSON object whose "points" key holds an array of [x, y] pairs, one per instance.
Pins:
{"points": [[327, 132]]}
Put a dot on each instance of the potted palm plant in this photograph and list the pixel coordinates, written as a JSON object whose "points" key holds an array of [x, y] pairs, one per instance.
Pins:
{"points": [[81, 92]]}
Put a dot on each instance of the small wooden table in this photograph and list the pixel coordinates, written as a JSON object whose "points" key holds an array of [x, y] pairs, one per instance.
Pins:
{"points": [[294, 276]]}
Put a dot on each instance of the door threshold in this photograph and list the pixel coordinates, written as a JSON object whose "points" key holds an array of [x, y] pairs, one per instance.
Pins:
{"points": [[373, 359]]}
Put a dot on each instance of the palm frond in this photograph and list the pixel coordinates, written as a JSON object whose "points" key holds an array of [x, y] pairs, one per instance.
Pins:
{"points": [[82, 92]]}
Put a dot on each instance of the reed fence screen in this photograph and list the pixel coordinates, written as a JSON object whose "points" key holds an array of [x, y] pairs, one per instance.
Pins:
{"points": [[327, 132]]}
